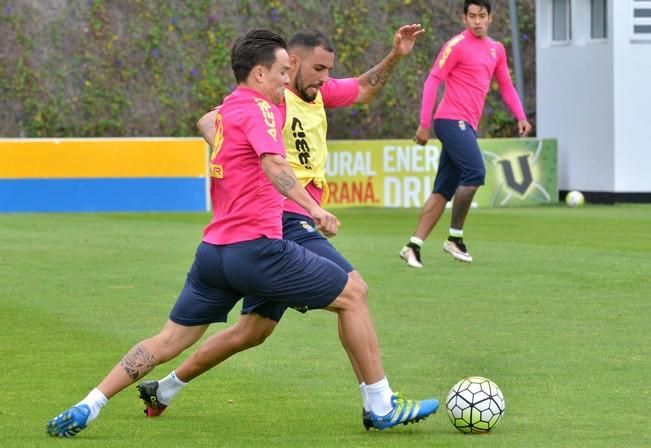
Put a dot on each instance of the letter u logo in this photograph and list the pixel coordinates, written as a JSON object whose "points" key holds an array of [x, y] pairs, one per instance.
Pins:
{"points": [[527, 178]]}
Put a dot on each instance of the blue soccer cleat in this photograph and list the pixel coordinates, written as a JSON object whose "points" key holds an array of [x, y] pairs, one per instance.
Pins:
{"points": [[70, 422], [404, 411]]}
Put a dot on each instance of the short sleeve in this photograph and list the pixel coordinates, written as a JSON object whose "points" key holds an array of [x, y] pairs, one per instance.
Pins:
{"points": [[339, 92]]}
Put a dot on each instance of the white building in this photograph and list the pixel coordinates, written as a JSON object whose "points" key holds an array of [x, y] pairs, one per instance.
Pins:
{"points": [[593, 65]]}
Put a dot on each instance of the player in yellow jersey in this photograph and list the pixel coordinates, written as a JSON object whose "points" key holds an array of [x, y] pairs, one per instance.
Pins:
{"points": [[310, 92]]}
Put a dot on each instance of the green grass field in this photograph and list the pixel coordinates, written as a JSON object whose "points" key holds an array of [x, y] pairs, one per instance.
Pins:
{"points": [[555, 309]]}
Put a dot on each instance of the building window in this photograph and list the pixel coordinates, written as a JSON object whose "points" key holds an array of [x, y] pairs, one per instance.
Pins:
{"points": [[642, 20], [598, 19], [561, 20]]}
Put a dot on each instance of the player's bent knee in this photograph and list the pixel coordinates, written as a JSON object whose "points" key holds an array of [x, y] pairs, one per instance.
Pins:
{"points": [[254, 338], [173, 339], [354, 296], [359, 282], [358, 288], [163, 348], [253, 330]]}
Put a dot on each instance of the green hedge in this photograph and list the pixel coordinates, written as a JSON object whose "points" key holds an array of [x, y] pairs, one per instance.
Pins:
{"points": [[151, 68]]}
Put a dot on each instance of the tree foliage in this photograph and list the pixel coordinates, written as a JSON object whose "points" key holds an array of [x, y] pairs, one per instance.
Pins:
{"points": [[152, 68]]}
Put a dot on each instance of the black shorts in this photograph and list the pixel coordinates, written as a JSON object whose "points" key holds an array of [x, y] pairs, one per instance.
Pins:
{"points": [[281, 271], [461, 162], [302, 230]]}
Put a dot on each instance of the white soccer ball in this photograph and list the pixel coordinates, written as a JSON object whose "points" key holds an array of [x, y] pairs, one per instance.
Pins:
{"points": [[475, 405], [574, 199]]}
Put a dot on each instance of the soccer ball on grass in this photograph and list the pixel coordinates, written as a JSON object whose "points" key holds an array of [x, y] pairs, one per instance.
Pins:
{"points": [[574, 199], [475, 405]]}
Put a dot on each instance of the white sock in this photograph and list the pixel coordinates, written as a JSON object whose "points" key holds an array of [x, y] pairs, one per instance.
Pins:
{"points": [[95, 401], [379, 397], [457, 233], [362, 389], [168, 387], [417, 241]]}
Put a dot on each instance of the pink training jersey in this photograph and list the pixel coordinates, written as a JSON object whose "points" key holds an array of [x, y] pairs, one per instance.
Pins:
{"points": [[246, 205], [334, 93], [467, 63]]}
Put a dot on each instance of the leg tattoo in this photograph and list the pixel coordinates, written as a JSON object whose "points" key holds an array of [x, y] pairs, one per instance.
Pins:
{"points": [[138, 362]]}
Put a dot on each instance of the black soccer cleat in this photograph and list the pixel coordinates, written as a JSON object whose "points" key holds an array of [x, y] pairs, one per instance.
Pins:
{"points": [[147, 390]]}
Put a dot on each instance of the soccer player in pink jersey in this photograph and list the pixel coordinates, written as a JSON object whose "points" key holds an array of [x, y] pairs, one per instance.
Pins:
{"points": [[242, 252], [311, 90], [466, 64]]}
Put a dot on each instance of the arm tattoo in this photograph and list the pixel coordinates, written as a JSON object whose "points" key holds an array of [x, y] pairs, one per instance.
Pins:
{"points": [[378, 75], [138, 362], [284, 182]]}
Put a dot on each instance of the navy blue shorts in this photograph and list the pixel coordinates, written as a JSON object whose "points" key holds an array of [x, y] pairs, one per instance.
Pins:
{"points": [[461, 162], [302, 230], [281, 271]]}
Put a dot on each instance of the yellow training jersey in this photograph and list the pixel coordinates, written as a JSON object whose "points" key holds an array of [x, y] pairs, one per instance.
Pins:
{"points": [[304, 136]]}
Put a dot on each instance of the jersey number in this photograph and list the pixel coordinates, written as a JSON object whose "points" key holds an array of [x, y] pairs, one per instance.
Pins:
{"points": [[217, 170]]}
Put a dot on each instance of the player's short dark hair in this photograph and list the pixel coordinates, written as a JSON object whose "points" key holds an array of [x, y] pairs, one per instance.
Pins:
{"points": [[481, 3], [257, 47], [310, 39]]}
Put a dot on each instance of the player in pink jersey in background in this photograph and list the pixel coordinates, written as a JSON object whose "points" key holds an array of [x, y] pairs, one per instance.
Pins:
{"points": [[466, 64]]}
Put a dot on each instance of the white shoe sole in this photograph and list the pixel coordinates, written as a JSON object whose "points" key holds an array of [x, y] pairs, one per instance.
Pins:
{"points": [[452, 250], [411, 260]]}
